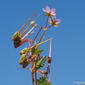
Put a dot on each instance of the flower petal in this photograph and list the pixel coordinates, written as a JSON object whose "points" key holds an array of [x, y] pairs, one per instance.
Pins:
{"points": [[47, 9], [54, 18], [49, 20], [43, 9], [53, 14], [58, 21], [53, 10]]}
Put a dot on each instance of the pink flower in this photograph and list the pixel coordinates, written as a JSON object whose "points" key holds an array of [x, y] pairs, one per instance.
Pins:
{"points": [[49, 12], [53, 21]]}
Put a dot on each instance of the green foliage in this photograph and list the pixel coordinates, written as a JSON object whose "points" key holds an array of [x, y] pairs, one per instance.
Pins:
{"points": [[43, 81], [32, 50], [38, 51], [41, 62], [35, 51]]}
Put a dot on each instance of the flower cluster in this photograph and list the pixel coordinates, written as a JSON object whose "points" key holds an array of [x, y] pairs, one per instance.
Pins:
{"points": [[32, 54], [52, 16]]}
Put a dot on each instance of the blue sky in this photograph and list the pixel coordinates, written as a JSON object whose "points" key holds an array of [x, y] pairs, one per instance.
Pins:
{"points": [[68, 44]]}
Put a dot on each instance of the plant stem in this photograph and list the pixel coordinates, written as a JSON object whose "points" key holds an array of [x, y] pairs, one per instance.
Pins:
{"points": [[42, 36], [33, 72], [33, 40], [25, 30], [30, 25], [26, 22], [44, 30], [49, 72], [46, 22], [35, 69]]}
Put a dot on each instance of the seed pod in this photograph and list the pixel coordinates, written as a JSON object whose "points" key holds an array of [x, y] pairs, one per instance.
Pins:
{"points": [[23, 51], [23, 58], [16, 36], [16, 39], [25, 64]]}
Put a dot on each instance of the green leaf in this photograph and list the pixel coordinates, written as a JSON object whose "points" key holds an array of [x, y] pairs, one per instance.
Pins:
{"points": [[41, 62], [43, 81], [41, 50], [32, 50], [38, 51]]}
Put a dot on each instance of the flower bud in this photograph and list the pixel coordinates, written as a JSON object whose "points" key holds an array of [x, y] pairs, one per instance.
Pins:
{"points": [[49, 60]]}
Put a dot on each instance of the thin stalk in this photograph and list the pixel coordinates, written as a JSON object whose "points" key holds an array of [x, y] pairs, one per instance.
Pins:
{"points": [[25, 30], [49, 72], [36, 26], [29, 32], [36, 36], [44, 30], [33, 41], [33, 73], [29, 26], [37, 16], [42, 42], [42, 36], [26, 22], [46, 22], [50, 49], [50, 26], [35, 70]]}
